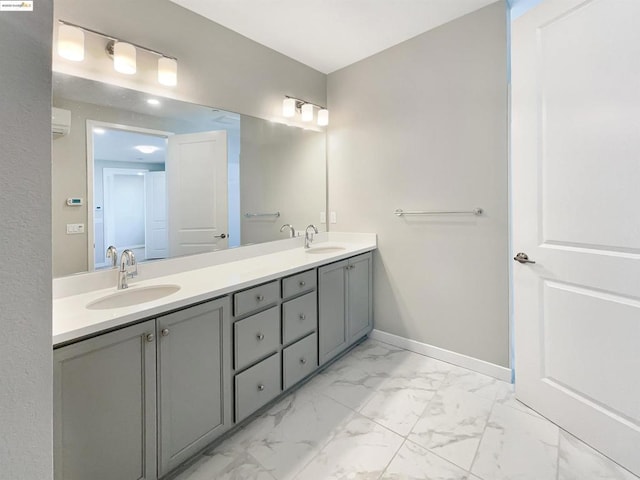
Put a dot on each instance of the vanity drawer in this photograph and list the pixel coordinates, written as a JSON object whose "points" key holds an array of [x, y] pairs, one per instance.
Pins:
{"points": [[257, 386], [298, 283], [299, 360], [299, 317], [255, 298], [256, 336]]}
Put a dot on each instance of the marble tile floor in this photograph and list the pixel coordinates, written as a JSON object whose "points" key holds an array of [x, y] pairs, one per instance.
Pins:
{"points": [[382, 412]]}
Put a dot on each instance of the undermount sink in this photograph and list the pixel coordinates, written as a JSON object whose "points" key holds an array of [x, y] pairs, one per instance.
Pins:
{"points": [[325, 249], [134, 296]]}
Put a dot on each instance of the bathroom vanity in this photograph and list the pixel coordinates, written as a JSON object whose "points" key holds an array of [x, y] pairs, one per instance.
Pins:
{"points": [[140, 389]]}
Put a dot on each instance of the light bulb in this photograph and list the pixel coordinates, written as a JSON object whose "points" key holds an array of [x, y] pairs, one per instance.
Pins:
{"points": [[124, 58], [323, 117], [289, 107], [168, 71], [307, 112], [71, 43]]}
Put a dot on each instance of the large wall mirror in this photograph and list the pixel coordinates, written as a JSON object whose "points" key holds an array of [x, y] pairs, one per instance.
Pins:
{"points": [[166, 178]]}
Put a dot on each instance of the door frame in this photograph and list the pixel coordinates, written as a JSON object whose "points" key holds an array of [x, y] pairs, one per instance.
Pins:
{"points": [[90, 125]]}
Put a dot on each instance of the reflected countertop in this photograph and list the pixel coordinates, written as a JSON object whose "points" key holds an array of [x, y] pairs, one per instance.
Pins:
{"points": [[72, 320]]}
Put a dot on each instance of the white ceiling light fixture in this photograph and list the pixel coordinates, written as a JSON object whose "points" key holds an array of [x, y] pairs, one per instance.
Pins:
{"points": [[71, 46], [148, 149], [153, 101], [168, 71], [293, 105], [71, 43]]}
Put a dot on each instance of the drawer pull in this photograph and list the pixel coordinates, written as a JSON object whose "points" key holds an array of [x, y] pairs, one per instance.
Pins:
{"points": [[259, 298], [303, 360], [164, 332], [303, 316], [260, 387], [260, 336], [302, 283]]}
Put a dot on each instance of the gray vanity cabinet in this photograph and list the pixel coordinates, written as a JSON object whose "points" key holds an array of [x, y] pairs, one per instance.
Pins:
{"points": [[194, 364], [105, 423], [345, 312]]}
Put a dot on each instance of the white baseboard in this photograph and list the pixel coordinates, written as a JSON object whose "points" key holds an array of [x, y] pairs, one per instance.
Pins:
{"points": [[480, 366]]}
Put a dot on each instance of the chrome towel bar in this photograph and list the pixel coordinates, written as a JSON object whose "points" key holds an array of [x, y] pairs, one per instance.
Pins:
{"points": [[274, 214], [400, 213]]}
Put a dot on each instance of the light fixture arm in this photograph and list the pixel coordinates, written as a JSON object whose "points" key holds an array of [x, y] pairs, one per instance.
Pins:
{"points": [[114, 39], [300, 102]]}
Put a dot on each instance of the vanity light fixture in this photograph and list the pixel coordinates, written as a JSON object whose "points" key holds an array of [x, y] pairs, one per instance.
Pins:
{"points": [[71, 43], [71, 47], [291, 105], [153, 101]]}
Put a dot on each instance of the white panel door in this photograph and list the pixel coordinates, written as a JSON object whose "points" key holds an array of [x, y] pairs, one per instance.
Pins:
{"points": [[197, 190], [156, 235], [576, 199]]}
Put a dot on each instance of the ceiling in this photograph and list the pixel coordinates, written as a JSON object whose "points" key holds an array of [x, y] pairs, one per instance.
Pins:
{"points": [[328, 35]]}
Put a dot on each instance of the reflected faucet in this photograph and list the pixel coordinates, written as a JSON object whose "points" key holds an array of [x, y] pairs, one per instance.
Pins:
{"points": [[292, 231], [127, 270], [308, 237], [112, 253]]}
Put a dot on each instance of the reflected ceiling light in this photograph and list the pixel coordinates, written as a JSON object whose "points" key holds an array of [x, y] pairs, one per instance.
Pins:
{"points": [[147, 148], [307, 112], [291, 105], [153, 101], [323, 117], [99, 131], [124, 58], [168, 71], [71, 46], [71, 43]]}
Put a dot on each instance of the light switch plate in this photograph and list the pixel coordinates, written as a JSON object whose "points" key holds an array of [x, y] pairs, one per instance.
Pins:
{"points": [[323, 217], [75, 228], [333, 217]]}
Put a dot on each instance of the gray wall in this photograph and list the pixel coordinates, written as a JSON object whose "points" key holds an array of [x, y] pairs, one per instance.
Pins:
{"points": [[423, 125], [25, 240]]}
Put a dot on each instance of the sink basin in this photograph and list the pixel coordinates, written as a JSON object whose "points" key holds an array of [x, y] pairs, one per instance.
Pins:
{"points": [[325, 249], [133, 296]]}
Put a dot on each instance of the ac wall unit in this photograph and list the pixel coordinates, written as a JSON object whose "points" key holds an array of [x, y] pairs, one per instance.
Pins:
{"points": [[60, 122]]}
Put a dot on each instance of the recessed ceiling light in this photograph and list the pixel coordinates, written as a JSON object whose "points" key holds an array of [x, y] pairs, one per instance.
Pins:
{"points": [[146, 148], [99, 131], [153, 101]]}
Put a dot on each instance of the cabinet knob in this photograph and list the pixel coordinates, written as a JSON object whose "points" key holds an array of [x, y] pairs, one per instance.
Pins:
{"points": [[303, 360], [260, 387], [149, 337], [302, 283], [303, 316], [351, 267], [260, 336], [260, 298], [164, 332]]}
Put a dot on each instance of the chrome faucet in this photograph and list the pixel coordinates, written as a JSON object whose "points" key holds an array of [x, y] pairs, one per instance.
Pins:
{"points": [[308, 237], [127, 270], [112, 253], [292, 231]]}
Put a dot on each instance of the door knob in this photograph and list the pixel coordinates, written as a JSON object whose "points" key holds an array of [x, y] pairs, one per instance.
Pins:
{"points": [[222, 235], [522, 258]]}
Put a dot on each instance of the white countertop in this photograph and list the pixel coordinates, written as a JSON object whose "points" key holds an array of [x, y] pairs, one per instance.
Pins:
{"points": [[72, 320]]}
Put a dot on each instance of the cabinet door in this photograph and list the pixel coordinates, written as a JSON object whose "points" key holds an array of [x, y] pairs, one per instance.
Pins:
{"points": [[359, 297], [332, 310], [105, 406], [194, 366]]}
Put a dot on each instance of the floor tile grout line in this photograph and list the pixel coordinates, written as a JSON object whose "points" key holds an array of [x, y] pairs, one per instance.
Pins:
{"points": [[395, 454], [484, 430], [441, 457], [558, 454]]}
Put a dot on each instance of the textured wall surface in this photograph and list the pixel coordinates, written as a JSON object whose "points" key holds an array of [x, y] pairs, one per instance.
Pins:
{"points": [[25, 240], [423, 126]]}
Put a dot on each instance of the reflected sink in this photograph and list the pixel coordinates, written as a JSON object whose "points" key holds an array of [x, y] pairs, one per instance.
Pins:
{"points": [[134, 296], [325, 249]]}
